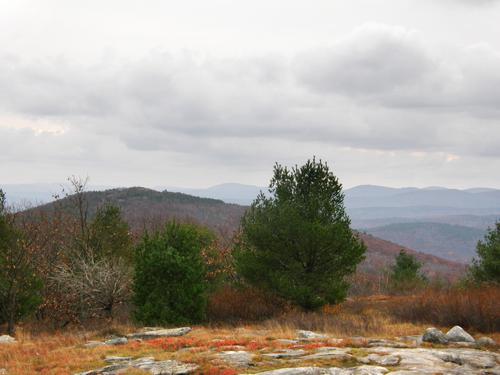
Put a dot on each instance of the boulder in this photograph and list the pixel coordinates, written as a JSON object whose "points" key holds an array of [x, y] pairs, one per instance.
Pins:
{"points": [[116, 341], [158, 333], [6, 339], [172, 367], [237, 358], [458, 334], [434, 336], [286, 341], [486, 341], [310, 335]]}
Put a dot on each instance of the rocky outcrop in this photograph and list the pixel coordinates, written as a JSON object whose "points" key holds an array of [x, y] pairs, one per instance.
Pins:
{"points": [[290, 353], [158, 333], [121, 364], [116, 341], [359, 370], [238, 358], [309, 335]]}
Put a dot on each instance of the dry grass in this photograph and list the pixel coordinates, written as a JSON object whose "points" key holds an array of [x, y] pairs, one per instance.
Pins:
{"points": [[477, 309], [375, 316], [230, 305]]}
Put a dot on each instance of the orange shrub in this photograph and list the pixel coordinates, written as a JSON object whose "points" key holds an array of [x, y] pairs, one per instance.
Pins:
{"points": [[221, 371], [476, 308], [235, 305]]}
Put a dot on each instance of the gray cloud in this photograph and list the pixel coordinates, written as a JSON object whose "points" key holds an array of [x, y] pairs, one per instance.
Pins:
{"points": [[393, 67], [380, 89]]}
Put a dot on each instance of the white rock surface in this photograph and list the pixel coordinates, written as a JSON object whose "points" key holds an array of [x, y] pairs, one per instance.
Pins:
{"points": [[6, 339], [116, 341], [301, 334], [458, 334], [237, 358], [157, 333]]}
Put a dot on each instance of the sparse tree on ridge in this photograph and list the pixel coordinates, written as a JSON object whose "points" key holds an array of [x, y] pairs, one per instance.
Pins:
{"points": [[297, 242], [406, 273]]}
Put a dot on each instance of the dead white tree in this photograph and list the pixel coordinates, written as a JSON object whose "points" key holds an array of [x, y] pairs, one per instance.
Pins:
{"points": [[98, 285]]}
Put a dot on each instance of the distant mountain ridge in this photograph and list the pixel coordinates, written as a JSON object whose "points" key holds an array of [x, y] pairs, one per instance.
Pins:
{"points": [[361, 196], [453, 242]]}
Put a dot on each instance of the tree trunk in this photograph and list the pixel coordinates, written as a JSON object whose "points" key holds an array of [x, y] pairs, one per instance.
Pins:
{"points": [[11, 323]]}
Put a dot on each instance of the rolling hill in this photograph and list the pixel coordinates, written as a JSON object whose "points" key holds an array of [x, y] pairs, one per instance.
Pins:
{"points": [[453, 242], [141, 205]]}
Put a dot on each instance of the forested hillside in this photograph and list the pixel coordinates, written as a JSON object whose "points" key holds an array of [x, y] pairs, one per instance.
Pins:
{"points": [[143, 207]]}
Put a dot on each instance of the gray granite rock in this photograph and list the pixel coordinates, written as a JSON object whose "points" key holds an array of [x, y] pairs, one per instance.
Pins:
{"points": [[6, 339], [158, 333], [172, 368], [486, 341], [295, 371], [115, 359], [116, 341], [383, 360], [286, 341], [301, 334], [458, 334], [290, 353], [121, 364], [237, 358], [435, 336], [329, 353]]}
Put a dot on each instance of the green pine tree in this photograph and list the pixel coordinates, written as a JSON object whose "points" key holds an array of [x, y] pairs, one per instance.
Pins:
{"points": [[406, 273], [19, 285], [297, 242], [486, 267]]}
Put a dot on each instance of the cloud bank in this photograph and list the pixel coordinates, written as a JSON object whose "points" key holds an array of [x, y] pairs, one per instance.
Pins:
{"points": [[383, 90]]}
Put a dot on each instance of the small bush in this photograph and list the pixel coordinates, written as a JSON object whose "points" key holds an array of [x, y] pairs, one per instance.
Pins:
{"points": [[169, 281], [234, 305], [476, 308]]}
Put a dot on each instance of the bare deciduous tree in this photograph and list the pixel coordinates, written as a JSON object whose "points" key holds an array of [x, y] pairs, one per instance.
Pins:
{"points": [[97, 286]]}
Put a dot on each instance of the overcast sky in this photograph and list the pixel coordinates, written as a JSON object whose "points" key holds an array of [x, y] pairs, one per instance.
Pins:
{"points": [[196, 93]]}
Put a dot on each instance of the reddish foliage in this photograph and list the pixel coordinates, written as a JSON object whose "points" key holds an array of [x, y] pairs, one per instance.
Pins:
{"points": [[173, 344], [231, 305], [473, 308], [251, 345], [314, 345], [221, 371]]}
